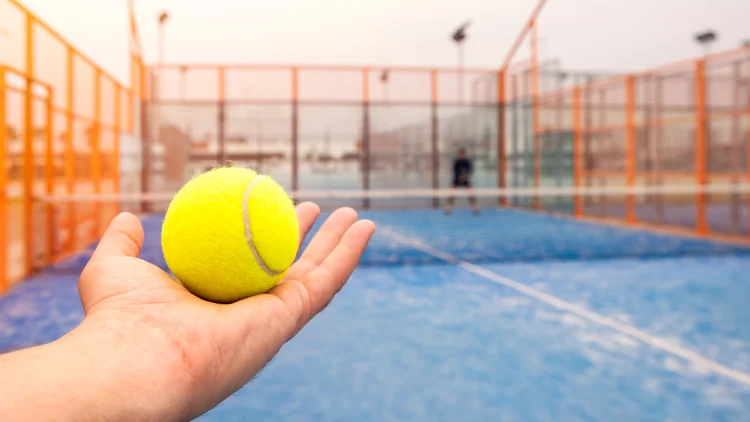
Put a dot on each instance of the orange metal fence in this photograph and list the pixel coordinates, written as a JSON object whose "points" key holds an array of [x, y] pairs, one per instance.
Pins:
{"points": [[527, 124], [685, 123], [61, 121]]}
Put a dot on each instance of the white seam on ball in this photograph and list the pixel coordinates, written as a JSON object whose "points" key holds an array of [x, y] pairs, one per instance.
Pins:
{"points": [[249, 234]]}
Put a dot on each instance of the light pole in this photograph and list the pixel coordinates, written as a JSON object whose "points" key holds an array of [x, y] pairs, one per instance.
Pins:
{"points": [[4, 33], [188, 144], [706, 38], [459, 36], [384, 83], [163, 18]]}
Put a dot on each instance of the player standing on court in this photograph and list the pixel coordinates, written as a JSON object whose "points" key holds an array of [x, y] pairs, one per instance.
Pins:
{"points": [[462, 169]]}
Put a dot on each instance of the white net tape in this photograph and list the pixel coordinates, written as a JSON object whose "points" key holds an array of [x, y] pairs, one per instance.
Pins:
{"points": [[312, 195]]}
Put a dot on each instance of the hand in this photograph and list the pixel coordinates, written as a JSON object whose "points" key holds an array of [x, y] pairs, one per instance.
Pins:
{"points": [[154, 351]]}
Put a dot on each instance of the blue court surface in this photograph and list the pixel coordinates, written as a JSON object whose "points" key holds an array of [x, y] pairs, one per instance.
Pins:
{"points": [[506, 316]]}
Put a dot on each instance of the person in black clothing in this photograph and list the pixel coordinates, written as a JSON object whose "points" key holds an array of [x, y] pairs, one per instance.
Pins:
{"points": [[462, 169]]}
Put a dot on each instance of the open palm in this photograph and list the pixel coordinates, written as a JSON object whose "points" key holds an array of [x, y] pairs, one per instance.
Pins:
{"points": [[185, 353]]}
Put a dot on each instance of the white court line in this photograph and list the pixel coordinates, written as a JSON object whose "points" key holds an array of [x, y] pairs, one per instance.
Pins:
{"points": [[656, 342]]}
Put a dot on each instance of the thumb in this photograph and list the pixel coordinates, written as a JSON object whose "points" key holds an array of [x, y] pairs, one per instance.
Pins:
{"points": [[124, 237]]}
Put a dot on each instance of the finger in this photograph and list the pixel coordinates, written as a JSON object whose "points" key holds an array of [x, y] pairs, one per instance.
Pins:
{"points": [[307, 213], [263, 323], [123, 237], [325, 281], [328, 236], [281, 313]]}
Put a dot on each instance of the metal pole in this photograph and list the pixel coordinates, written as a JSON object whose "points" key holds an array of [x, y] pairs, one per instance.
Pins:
{"points": [[435, 127], [459, 36], [259, 139], [184, 108], [461, 73], [160, 59], [163, 17], [295, 128], [366, 134]]}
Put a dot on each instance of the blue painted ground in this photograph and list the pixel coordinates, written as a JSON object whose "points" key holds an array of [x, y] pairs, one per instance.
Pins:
{"points": [[502, 235], [436, 343]]}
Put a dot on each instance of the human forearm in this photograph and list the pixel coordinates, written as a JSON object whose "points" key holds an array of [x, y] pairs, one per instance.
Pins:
{"points": [[83, 376]]}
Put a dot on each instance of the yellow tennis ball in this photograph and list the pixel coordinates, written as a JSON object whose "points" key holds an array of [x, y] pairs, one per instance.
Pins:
{"points": [[229, 234]]}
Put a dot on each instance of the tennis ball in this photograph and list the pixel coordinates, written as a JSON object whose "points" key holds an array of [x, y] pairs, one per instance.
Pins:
{"points": [[229, 234]]}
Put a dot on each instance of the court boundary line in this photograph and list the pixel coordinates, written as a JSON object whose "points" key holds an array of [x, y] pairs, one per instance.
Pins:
{"points": [[623, 328]]}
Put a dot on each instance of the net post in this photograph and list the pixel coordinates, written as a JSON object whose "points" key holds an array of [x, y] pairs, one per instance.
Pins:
{"points": [[700, 145], [96, 159], [28, 148], [68, 150], [630, 147], [295, 129], [3, 185], [501, 153], [365, 135], [49, 176], [221, 153], [535, 112], [577, 151], [434, 134]]}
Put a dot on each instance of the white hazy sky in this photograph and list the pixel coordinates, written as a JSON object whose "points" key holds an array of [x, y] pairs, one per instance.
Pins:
{"points": [[606, 35]]}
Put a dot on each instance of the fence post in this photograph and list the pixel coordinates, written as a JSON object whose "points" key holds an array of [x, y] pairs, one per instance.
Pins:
{"points": [[736, 144], [700, 145], [434, 156], [536, 115], [748, 154], [366, 134], [3, 186], [69, 153], [28, 149], [131, 94], [658, 138], [518, 178], [501, 155], [222, 153], [96, 159], [630, 147], [147, 97], [49, 173], [577, 151], [295, 129], [116, 147]]}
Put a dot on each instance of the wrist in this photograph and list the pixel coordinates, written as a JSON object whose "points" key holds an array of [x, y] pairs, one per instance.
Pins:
{"points": [[88, 374]]}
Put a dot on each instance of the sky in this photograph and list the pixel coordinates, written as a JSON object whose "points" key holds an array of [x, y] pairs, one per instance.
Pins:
{"points": [[596, 35]]}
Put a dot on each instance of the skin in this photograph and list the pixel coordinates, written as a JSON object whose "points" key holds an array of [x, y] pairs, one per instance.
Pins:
{"points": [[148, 350]]}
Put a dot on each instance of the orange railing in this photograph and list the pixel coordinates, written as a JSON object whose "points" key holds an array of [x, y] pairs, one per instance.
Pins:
{"points": [[630, 117], [62, 117], [62, 121]]}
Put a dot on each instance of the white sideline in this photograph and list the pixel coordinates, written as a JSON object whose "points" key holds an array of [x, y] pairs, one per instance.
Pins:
{"points": [[655, 342]]}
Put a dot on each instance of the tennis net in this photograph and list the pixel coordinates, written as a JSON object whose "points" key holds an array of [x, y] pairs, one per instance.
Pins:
{"points": [[417, 226]]}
